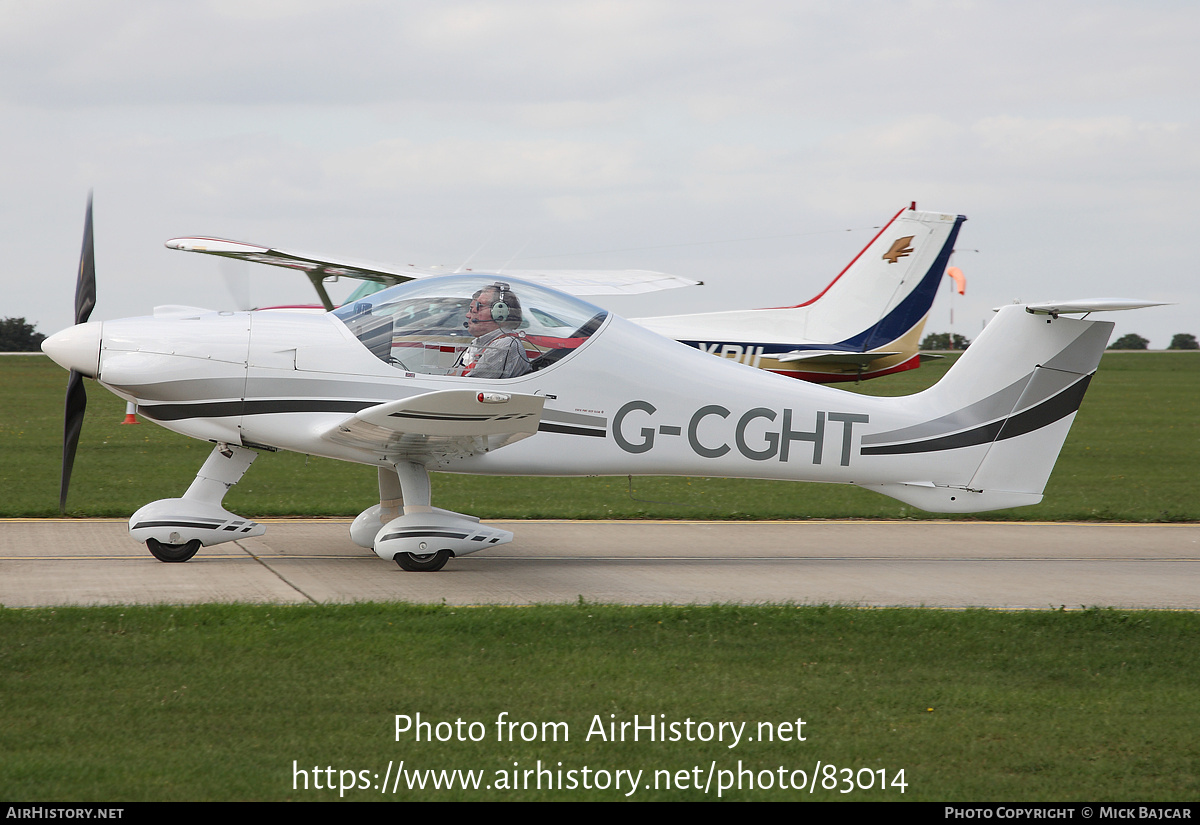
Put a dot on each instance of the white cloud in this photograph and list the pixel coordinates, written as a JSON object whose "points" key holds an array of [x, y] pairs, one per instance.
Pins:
{"points": [[463, 165], [1099, 142]]}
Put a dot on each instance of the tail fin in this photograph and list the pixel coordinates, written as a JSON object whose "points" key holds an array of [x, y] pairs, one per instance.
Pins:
{"points": [[998, 419], [866, 322], [889, 287]]}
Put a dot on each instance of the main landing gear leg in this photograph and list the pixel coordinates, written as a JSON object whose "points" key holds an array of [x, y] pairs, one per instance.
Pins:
{"points": [[175, 528], [426, 537], [391, 506]]}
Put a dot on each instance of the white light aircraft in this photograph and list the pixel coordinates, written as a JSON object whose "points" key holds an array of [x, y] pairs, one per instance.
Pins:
{"points": [[371, 383], [866, 323]]}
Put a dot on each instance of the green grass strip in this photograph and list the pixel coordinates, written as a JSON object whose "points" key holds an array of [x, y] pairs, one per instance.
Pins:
{"points": [[215, 702]]}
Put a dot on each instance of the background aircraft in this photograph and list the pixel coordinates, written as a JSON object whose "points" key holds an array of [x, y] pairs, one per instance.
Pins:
{"points": [[866, 323], [604, 397]]}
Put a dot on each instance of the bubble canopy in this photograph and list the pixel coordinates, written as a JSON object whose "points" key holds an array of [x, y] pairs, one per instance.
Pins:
{"points": [[422, 325]]}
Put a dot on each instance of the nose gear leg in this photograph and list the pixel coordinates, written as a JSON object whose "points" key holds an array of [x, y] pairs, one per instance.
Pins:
{"points": [[175, 528]]}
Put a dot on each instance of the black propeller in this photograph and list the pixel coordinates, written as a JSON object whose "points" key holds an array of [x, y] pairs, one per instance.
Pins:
{"points": [[85, 300]]}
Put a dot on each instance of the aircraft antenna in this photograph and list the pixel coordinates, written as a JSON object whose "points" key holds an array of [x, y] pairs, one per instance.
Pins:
{"points": [[463, 266], [514, 257]]}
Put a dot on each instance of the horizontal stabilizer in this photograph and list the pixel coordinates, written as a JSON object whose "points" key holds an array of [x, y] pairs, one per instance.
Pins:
{"points": [[1089, 305]]}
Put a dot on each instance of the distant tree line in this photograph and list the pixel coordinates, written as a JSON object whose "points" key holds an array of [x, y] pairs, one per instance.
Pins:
{"points": [[953, 341], [1130, 340], [944, 340], [1182, 340], [18, 336]]}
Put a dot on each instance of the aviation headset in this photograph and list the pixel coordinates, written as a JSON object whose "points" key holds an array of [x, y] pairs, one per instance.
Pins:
{"points": [[506, 307]]}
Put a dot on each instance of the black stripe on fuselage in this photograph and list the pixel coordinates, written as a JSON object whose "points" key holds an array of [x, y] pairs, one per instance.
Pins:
{"points": [[1034, 418], [550, 427], [224, 409]]}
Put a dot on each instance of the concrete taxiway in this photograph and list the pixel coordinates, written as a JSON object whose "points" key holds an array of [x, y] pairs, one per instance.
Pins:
{"points": [[933, 563]]}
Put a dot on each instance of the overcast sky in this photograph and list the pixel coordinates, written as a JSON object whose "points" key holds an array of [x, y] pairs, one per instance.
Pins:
{"points": [[751, 145]]}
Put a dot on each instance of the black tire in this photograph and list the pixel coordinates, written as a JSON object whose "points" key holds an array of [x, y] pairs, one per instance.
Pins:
{"points": [[172, 552], [428, 563]]}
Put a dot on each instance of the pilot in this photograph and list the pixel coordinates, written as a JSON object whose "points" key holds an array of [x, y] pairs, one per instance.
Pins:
{"points": [[496, 352]]}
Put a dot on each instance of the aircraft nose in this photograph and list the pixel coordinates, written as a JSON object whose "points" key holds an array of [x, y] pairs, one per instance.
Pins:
{"points": [[76, 348]]}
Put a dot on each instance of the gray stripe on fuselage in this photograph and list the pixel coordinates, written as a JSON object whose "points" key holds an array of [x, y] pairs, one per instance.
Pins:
{"points": [[1028, 420], [1080, 357], [1048, 383], [191, 389], [212, 389], [574, 418], [286, 387], [995, 406], [222, 397]]}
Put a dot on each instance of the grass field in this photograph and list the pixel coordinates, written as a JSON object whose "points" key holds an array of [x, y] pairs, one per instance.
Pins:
{"points": [[215, 702], [1131, 456]]}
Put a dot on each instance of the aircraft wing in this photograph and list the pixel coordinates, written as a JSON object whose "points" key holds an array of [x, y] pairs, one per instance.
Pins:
{"points": [[598, 281], [441, 425], [833, 356], [320, 267]]}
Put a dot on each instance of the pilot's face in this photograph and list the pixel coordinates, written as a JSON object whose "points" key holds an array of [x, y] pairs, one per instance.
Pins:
{"points": [[479, 314]]}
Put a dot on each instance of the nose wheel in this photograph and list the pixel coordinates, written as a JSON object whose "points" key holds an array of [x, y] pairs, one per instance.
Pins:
{"points": [[174, 552], [428, 563]]}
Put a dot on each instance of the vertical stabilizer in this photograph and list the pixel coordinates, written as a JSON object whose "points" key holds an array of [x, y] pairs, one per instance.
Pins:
{"points": [[889, 287], [997, 421], [866, 322]]}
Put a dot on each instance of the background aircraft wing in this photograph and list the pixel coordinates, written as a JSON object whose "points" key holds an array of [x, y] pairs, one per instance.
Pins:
{"points": [[834, 356], [441, 425], [319, 267], [598, 281]]}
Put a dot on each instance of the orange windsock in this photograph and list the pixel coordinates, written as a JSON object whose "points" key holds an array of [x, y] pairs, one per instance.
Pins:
{"points": [[960, 281]]}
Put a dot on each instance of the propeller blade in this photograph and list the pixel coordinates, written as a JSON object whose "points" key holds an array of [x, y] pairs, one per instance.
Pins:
{"points": [[73, 426], [85, 285], [76, 404], [237, 280]]}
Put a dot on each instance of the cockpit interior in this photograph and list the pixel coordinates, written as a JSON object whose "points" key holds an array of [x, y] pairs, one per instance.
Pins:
{"points": [[422, 326]]}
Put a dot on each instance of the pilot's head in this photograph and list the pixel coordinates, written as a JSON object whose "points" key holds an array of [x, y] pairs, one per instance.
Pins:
{"points": [[493, 307]]}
